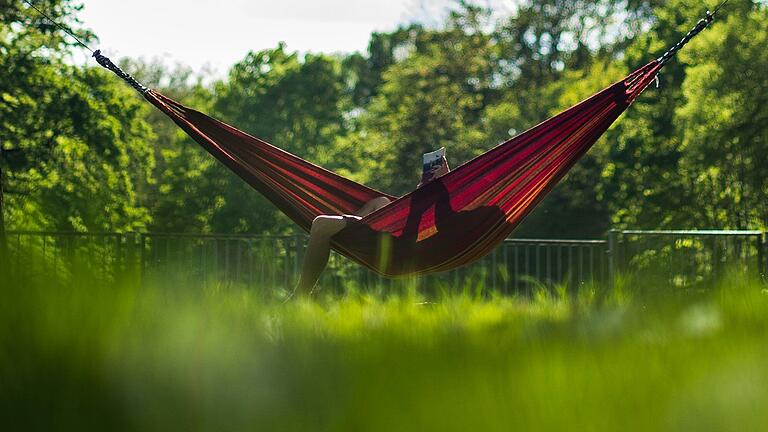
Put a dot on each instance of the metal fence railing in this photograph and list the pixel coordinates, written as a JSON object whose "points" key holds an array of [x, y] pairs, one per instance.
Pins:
{"points": [[684, 258], [59, 254], [687, 258]]}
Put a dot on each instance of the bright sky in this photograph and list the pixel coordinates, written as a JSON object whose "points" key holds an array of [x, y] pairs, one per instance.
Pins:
{"points": [[216, 34]]}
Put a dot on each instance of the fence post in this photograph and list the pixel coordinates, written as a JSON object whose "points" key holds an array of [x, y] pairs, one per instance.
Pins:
{"points": [[765, 256], [132, 254], [4, 254], [613, 255], [298, 257], [140, 270], [762, 263]]}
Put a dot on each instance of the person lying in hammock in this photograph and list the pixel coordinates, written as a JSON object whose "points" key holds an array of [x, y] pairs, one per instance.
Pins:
{"points": [[326, 226]]}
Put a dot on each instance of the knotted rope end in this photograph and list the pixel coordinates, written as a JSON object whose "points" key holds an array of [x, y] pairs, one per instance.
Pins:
{"points": [[105, 62]]}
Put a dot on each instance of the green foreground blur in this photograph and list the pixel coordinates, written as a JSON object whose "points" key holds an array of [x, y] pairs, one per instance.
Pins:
{"points": [[632, 357]]}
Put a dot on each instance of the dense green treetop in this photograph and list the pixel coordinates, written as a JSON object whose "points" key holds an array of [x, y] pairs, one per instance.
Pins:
{"points": [[74, 141], [82, 151]]}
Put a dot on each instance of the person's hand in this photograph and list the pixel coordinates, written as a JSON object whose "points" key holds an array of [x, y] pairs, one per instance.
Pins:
{"points": [[441, 170], [437, 172]]}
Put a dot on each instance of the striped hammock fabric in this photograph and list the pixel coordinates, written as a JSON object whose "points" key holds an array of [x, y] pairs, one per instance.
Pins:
{"points": [[445, 224]]}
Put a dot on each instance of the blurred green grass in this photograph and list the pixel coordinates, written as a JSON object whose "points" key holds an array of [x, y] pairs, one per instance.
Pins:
{"points": [[127, 356]]}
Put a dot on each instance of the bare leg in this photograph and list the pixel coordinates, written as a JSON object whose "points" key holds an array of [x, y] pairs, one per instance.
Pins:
{"points": [[318, 250]]}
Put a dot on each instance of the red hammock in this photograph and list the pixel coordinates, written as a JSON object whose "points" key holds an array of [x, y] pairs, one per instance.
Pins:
{"points": [[451, 221]]}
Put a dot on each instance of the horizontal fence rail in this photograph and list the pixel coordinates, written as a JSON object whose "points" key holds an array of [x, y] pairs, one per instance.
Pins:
{"points": [[269, 262]]}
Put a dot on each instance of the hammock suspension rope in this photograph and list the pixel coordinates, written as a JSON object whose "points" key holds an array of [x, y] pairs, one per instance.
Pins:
{"points": [[64, 29], [100, 58], [698, 28], [107, 63]]}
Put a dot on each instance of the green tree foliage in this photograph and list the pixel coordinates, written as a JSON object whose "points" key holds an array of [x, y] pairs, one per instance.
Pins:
{"points": [[722, 125], [73, 142], [640, 179], [434, 97], [188, 185], [688, 154], [658, 173], [365, 73]]}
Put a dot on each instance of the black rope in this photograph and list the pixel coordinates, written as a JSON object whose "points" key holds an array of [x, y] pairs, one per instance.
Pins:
{"points": [[717, 9], [107, 63], [100, 59], [698, 28], [66, 30]]}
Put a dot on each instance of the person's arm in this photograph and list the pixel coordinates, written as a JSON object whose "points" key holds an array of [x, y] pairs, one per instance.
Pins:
{"points": [[371, 206]]}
